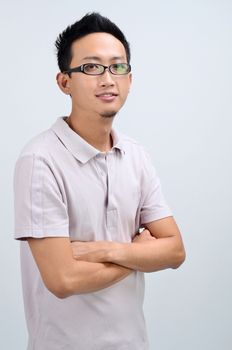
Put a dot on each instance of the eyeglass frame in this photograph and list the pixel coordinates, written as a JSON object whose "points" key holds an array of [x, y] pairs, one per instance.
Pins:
{"points": [[81, 69]]}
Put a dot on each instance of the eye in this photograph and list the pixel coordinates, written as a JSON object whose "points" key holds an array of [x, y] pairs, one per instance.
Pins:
{"points": [[120, 68], [92, 68]]}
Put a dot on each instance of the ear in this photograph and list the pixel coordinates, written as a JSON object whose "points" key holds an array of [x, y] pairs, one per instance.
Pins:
{"points": [[130, 79], [63, 81]]}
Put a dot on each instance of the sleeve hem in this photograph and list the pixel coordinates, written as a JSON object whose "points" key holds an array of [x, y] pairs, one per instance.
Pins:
{"points": [[153, 217], [46, 232]]}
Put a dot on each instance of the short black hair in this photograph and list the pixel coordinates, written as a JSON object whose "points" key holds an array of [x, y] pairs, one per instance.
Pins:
{"points": [[90, 23]]}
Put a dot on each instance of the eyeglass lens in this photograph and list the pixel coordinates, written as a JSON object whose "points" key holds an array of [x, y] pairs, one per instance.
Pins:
{"points": [[116, 68]]}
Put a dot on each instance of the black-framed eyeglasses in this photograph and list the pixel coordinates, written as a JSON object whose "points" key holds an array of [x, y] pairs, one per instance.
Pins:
{"points": [[98, 69]]}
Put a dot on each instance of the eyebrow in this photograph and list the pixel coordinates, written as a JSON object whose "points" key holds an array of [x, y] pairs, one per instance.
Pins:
{"points": [[96, 58]]}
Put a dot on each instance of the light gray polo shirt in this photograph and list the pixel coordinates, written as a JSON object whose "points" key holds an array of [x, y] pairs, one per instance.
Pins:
{"points": [[64, 187]]}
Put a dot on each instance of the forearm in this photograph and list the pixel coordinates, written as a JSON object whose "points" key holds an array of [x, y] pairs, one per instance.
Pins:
{"points": [[87, 277], [64, 276], [148, 256], [147, 253]]}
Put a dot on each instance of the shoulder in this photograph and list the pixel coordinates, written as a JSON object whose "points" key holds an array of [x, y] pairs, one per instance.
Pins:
{"points": [[129, 143], [138, 155], [37, 156], [134, 148], [39, 144]]}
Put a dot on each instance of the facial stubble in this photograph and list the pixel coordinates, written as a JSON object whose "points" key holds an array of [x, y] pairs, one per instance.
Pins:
{"points": [[108, 114]]}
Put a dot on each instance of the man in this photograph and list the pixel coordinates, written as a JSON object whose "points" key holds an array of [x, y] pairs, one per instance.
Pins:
{"points": [[82, 194]]}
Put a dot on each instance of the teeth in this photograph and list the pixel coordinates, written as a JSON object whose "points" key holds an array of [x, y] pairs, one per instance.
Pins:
{"points": [[106, 94]]}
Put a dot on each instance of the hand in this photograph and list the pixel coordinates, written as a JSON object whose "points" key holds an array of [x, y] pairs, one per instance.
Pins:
{"points": [[143, 237], [94, 251]]}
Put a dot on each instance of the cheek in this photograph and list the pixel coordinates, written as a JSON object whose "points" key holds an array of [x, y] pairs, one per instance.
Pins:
{"points": [[124, 92], [125, 87], [83, 90]]}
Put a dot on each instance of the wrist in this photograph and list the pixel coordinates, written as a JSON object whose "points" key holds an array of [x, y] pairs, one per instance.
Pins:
{"points": [[112, 251], [117, 252]]}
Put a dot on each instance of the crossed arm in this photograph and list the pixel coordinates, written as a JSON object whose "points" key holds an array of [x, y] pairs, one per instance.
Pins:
{"points": [[158, 247], [83, 267]]}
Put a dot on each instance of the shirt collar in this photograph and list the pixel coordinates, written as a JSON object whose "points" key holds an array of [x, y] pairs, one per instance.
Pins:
{"points": [[80, 148]]}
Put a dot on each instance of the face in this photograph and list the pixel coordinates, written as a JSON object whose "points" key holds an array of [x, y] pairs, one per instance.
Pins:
{"points": [[101, 95]]}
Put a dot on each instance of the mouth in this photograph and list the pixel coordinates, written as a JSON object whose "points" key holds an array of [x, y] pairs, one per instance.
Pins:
{"points": [[107, 96]]}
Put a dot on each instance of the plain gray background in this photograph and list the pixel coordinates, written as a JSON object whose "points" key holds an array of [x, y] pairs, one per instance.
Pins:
{"points": [[179, 107]]}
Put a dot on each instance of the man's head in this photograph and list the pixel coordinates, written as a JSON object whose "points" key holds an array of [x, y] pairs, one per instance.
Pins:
{"points": [[90, 23], [93, 56]]}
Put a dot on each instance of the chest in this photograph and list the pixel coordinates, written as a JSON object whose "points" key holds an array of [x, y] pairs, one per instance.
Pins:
{"points": [[102, 198]]}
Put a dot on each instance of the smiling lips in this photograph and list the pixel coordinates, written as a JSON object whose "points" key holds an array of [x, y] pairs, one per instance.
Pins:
{"points": [[107, 96]]}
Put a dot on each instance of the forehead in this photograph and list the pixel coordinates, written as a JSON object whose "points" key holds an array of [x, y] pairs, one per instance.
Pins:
{"points": [[102, 45]]}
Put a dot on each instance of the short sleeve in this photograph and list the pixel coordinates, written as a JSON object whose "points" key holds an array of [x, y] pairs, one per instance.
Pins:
{"points": [[40, 209], [154, 206]]}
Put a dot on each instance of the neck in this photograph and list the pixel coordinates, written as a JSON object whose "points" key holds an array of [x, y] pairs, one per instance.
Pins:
{"points": [[95, 131]]}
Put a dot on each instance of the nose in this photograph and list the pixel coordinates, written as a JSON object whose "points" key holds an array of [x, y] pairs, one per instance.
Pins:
{"points": [[106, 79]]}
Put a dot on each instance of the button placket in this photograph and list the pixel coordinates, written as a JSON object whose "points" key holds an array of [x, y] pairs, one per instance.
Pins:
{"points": [[100, 165], [111, 210]]}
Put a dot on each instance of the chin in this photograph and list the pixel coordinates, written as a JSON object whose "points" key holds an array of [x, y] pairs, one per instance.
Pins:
{"points": [[108, 114]]}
